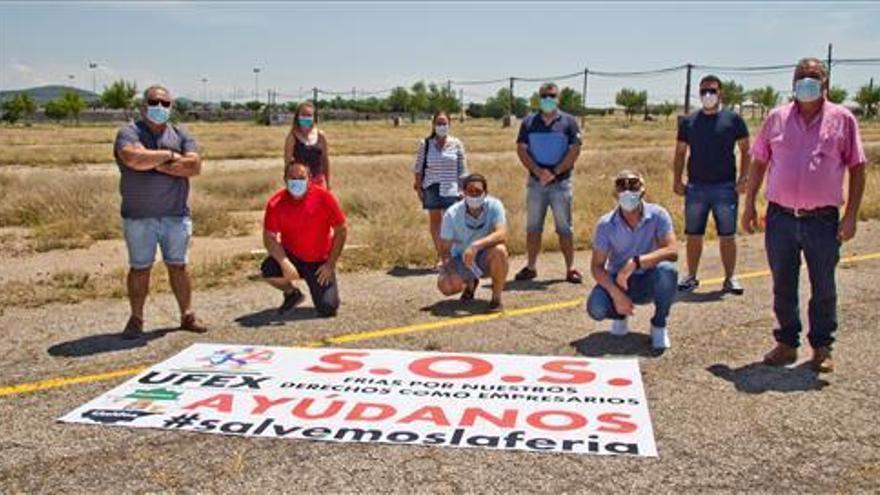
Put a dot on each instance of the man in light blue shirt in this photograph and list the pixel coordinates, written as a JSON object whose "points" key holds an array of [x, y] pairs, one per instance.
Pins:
{"points": [[634, 254], [473, 234]]}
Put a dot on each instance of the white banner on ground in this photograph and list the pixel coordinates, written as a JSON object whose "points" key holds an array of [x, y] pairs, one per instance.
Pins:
{"points": [[502, 402]]}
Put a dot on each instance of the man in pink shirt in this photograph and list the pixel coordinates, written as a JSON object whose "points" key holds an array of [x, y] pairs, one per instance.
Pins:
{"points": [[805, 147]]}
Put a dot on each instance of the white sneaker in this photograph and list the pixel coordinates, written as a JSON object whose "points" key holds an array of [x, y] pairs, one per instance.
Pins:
{"points": [[619, 328], [659, 338]]}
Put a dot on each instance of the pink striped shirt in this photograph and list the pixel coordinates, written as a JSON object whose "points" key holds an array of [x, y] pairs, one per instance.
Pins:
{"points": [[807, 162]]}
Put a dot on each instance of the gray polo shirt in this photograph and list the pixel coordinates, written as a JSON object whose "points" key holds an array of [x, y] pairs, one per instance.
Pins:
{"points": [[152, 194]]}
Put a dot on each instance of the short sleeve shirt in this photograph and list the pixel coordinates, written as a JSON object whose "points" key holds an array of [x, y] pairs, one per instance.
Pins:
{"points": [[807, 161], [462, 229], [152, 194], [621, 243], [305, 224], [711, 140], [548, 143]]}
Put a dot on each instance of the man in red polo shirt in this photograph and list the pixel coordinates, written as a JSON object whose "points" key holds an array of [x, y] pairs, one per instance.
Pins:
{"points": [[304, 231]]}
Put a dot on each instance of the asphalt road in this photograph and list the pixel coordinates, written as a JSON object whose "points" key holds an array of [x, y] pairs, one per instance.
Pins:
{"points": [[723, 421]]}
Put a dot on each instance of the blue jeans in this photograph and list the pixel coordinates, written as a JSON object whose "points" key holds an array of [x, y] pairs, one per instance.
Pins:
{"points": [[657, 285], [143, 235], [816, 237], [721, 199], [557, 195]]}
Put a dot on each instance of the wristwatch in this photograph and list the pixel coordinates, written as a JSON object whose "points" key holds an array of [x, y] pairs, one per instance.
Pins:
{"points": [[638, 262]]}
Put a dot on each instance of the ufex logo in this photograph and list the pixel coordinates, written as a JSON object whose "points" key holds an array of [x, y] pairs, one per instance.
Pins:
{"points": [[238, 358]]}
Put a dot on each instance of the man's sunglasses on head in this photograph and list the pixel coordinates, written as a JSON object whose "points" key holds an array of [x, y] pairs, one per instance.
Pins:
{"points": [[628, 184], [155, 103]]}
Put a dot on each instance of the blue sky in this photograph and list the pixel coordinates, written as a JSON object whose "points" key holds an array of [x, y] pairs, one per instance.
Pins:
{"points": [[372, 45]]}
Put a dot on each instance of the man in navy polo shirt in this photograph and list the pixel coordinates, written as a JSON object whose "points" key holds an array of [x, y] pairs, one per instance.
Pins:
{"points": [[710, 134], [548, 145], [634, 254]]}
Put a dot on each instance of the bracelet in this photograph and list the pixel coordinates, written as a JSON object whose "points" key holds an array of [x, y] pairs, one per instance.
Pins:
{"points": [[638, 262]]}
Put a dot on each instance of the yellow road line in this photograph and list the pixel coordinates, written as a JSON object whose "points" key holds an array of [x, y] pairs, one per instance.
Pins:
{"points": [[51, 383]]}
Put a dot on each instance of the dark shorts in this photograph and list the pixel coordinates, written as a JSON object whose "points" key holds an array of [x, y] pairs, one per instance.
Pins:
{"points": [[434, 201], [721, 199], [324, 297]]}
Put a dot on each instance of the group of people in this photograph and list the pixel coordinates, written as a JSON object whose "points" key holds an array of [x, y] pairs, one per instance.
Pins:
{"points": [[804, 148]]}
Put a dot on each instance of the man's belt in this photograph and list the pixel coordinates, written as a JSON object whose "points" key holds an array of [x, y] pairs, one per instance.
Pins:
{"points": [[802, 212]]}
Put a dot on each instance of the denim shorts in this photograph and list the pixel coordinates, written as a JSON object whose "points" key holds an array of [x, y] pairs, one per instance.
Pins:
{"points": [[557, 195], [465, 272], [170, 234], [434, 201], [721, 199]]}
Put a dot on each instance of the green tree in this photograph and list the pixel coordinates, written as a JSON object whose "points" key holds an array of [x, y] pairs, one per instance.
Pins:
{"points": [[732, 94], [418, 100], [765, 97], [398, 100], [73, 104], [837, 94], [631, 100], [667, 108], [119, 95], [226, 105], [55, 110], [571, 101], [868, 97], [442, 98], [19, 107], [497, 106]]}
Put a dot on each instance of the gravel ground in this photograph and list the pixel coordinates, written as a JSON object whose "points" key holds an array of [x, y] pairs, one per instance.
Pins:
{"points": [[723, 421]]}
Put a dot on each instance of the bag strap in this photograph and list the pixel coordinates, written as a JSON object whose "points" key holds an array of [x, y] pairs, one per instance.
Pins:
{"points": [[425, 157]]}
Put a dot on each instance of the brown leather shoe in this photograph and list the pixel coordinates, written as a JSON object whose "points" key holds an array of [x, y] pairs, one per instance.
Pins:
{"points": [[781, 355], [190, 323], [134, 329], [821, 362]]}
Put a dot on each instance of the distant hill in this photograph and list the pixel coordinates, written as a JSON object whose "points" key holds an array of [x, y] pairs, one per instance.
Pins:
{"points": [[45, 94]]}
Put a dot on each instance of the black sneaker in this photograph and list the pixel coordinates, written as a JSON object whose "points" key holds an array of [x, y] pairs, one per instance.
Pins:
{"points": [[526, 274], [467, 295], [291, 300], [134, 329], [495, 306]]}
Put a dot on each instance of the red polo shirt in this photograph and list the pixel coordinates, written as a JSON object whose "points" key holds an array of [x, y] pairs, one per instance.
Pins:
{"points": [[305, 224]]}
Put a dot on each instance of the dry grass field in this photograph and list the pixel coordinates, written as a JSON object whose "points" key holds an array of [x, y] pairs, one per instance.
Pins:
{"points": [[60, 203]]}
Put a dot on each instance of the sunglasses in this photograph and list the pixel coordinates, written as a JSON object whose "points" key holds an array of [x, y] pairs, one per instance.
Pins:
{"points": [[628, 184], [708, 91], [549, 95], [155, 103]]}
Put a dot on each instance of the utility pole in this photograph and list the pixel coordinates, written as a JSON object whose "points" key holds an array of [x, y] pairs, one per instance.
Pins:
{"points": [[93, 67], [204, 91], [687, 90], [461, 103], [584, 97], [257, 83], [315, 102], [829, 65], [509, 120]]}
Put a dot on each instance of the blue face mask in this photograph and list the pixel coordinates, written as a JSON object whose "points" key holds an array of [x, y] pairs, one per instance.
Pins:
{"points": [[629, 200], [158, 114], [306, 122], [297, 187], [548, 105], [807, 89]]}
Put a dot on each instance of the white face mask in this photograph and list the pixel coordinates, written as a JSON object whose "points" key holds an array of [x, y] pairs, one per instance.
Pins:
{"points": [[475, 203], [709, 100], [441, 130]]}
